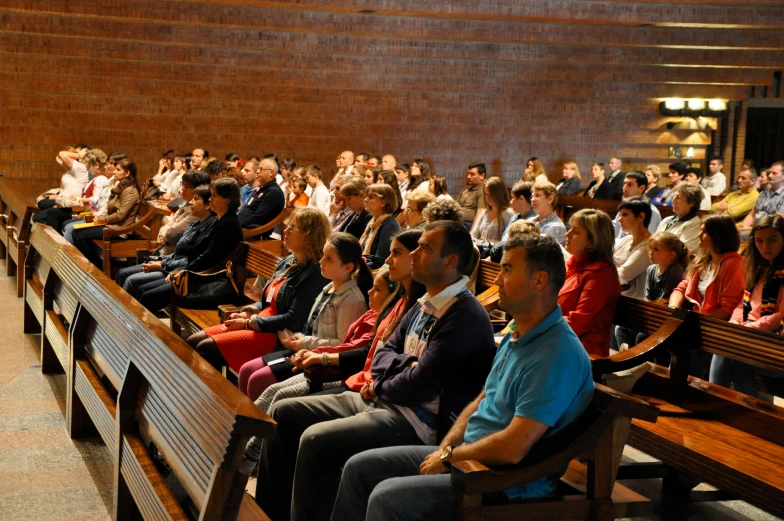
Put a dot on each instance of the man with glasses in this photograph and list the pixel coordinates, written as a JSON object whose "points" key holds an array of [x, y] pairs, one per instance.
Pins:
{"points": [[266, 199], [769, 202]]}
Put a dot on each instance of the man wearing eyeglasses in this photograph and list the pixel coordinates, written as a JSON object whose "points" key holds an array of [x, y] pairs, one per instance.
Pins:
{"points": [[266, 199]]}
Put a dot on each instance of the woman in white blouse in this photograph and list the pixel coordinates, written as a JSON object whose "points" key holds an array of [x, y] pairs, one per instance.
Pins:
{"points": [[630, 253], [491, 221]]}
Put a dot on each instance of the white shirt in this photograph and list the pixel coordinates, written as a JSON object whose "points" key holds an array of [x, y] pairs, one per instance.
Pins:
{"points": [[72, 184], [715, 184], [706, 199], [320, 198]]}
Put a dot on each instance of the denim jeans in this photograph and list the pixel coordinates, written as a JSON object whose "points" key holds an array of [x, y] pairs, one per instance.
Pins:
{"points": [[385, 485], [299, 469], [133, 277], [725, 371]]}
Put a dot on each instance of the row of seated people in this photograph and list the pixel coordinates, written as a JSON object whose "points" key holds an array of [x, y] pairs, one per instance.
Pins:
{"points": [[310, 296]]}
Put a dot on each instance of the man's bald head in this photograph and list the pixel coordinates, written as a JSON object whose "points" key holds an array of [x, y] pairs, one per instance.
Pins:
{"points": [[388, 162]]}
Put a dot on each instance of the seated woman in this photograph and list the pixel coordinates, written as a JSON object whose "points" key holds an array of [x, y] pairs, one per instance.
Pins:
{"points": [[762, 306], [543, 201], [677, 174], [194, 243], [353, 192], [339, 305], [653, 173], [122, 207], [572, 183], [438, 187], [714, 280], [381, 204], [491, 221], [600, 187], [224, 236], [415, 205], [630, 253], [591, 291], [84, 175], [286, 299], [685, 224], [405, 295]]}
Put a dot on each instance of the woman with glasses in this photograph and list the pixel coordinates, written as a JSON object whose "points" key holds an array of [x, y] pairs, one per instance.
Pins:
{"points": [[685, 224], [416, 203], [381, 204], [286, 299]]}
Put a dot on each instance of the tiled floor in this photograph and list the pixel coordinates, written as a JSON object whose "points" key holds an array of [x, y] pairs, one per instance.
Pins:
{"points": [[44, 475]]}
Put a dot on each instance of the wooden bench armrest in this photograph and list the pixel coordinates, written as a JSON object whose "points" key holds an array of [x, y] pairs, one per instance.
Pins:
{"points": [[250, 510], [277, 221], [574, 440], [109, 232], [224, 310], [645, 350]]}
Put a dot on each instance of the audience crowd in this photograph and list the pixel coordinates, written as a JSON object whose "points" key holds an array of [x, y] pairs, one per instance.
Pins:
{"points": [[425, 384]]}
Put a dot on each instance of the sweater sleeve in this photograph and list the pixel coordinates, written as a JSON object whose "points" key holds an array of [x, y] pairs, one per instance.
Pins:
{"points": [[294, 318], [768, 322], [732, 285], [743, 205], [388, 229], [636, 264], [593, 299], [451, 345], [690, 235], [681, 287]]}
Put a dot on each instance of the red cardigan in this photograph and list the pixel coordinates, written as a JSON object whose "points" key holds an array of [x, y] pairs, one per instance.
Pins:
{"points": [[588, 300], [726, 290]]}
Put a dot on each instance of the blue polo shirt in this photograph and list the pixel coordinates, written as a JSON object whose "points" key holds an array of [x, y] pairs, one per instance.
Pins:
{"points": [[544, 375]]}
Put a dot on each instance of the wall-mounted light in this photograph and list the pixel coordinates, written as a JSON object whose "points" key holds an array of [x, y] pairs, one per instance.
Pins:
{"points": [[692, 108]]}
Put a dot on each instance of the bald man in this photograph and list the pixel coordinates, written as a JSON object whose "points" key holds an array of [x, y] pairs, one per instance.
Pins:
{"points": [[388, 162], [345, 164]]}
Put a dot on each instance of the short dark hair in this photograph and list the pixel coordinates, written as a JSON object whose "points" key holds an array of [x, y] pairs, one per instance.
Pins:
{"points": [[678, 167], [168, 154], [694, 170], [720, 160], [480, 167], [228, 188], [288, 163], [232, 156], [203, 191], [194, 178], [542, 253], [639, 178], [638, 205], [215, 168], [523, 188], [82, 145], [457, 241], [271, 156], [364, 155], [376, 158]]}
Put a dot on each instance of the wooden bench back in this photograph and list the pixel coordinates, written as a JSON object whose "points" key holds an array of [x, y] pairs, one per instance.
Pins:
{"points": [[567, 205], [749, 345], [262, 258]]}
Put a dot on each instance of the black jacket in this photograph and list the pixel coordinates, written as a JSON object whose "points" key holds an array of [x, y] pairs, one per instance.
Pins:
{"points": [[295, 298], [605, 191], [356, 224], [570, 186], [264, 206], [224, 237], [194, 242]]}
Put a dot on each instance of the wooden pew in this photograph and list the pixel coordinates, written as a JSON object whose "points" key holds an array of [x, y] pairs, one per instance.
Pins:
{"points": [[708, 433], [262, 259], [141, 235], [567, 205], [251, 234], [169, 396], [19, 210], [586, 492]]}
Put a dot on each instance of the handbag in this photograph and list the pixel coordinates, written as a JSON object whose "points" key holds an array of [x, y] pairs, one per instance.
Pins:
{"points": [[223, 284]]}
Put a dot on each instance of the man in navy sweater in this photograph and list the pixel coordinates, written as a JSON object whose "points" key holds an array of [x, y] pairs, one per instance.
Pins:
{"points": [[431, 367]]}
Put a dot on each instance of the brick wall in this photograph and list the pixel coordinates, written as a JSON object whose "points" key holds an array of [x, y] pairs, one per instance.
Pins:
{"points": [[309, 80]]}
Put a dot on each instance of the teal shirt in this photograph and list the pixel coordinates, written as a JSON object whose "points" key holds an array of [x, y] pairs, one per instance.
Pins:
{"points": [[544, 375]]}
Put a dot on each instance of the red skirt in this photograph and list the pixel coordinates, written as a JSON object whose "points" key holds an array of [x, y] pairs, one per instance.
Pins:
{"points": [[238, 347]]}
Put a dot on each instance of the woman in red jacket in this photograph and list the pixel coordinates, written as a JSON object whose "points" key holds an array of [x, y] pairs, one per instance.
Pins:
{"points": [[591, 291], [714, 282]]}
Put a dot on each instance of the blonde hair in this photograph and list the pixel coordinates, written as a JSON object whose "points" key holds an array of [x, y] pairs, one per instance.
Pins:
{"points": [[94, 156], [548, 189], [420, 199], [671, 242], [315, 228], [573, 165], [655, 170], [386, 194], [521, 227], [599, 227]]}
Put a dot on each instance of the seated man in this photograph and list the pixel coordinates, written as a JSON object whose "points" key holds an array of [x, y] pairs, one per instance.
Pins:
{"points": [[428, 370], [769, 202], [739, 203], [540, 382], [266, 199], [635, 183]]}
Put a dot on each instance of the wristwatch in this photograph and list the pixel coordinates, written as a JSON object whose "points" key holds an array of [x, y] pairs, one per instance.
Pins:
{"points": [[445, 455]]}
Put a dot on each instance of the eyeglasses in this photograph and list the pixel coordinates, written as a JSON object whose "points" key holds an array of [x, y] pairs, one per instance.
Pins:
{"points": [[268, 169], [290, 228], [411, 210]]}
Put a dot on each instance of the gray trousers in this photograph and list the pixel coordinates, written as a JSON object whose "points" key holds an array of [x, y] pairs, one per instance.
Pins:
{"points": [[385, 485], [299, 470]]}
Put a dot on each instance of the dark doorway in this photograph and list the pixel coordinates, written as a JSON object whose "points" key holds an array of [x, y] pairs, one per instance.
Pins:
{"points": [[764, 136]]}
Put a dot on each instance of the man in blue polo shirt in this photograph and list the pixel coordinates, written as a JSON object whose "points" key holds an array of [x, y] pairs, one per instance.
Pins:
{"points": [[540, 382]]}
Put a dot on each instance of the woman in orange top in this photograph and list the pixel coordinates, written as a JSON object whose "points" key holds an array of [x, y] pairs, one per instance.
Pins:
{"points": [[591, 291]]}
